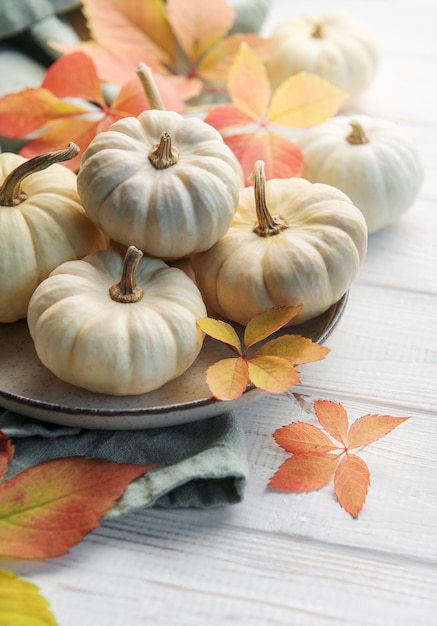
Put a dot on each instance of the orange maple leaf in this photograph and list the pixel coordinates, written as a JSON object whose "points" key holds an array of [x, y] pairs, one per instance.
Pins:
{"points": [[271, 367], [316, 458], [187, 41], [249, 123], [70, 106]]}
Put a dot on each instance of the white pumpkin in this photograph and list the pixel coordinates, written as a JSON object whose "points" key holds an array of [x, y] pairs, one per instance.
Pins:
{"points": [[329, 44], [372, 160], [116, 327], [290, 243]]}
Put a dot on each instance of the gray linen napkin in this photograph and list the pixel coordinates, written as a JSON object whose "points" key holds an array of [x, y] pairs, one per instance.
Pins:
{"points": [[202, 464]]}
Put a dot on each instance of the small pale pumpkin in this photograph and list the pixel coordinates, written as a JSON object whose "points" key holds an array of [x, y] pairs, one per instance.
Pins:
{"points": [[164, 183], [329, 44], [116, 327], [42, 224], [307, 253], [372, 160]]}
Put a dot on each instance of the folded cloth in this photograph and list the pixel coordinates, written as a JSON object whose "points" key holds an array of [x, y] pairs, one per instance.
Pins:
{"points": [[201, 464]]}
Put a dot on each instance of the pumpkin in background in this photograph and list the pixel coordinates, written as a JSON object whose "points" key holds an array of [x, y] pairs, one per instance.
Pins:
{"points": [[42, 224], [372, 160], [114, 326], [329, 44], [291, 243]]}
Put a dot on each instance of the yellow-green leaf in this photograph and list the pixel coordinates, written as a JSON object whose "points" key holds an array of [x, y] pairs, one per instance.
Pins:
{"points": [[267, 323], [272, 373], [304, 100], [248, 84], [294, 348], [227, 379], [222, 331], [21, 603]]}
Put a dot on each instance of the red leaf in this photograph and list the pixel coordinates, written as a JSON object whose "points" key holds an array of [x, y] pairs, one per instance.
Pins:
{"points": [[74, 76], [304, 472], [369, 428], [303, 438], [351, 483], [333, 417], [6, 454], [227, 116], [50, 507]]}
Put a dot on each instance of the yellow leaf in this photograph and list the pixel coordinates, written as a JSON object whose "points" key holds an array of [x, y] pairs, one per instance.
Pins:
{"points": [[294, 348], [248, 83], [304, 100], [222, 331], [227, 379], [21, 603], [267, 323], [272, 373]]}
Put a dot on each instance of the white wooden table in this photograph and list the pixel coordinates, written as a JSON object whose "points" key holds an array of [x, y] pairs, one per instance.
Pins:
{"points": [[282, 559]]}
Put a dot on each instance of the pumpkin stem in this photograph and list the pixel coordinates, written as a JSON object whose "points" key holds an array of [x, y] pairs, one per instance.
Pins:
{"points": [[357, 136], [164, 154], [127, 290], [317, 32], [11, 193], [268, 224], [153, 96]]}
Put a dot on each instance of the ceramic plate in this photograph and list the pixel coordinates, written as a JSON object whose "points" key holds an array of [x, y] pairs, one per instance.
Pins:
{"points": [[29, 388]]}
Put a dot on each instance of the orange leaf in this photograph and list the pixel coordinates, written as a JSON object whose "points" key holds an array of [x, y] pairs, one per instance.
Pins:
{"points": [[228, 378], [248, 84], [351, 483], [74, 76], [222, 331], [227, 116], [304, 100], [303, 438], [50, 507], [304, 472], [198, 25], [6, 454], [369, 428], [295, 349], [272, 373], [267, 323], [333, 417]]}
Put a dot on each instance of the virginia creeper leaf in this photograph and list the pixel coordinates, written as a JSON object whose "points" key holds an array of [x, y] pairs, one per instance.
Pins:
{"points": [[248, 84], [228, 378], [304, 472], [303, 438], [272, 373], [267, 323], [369, 428], [6, 453], [21, 603], [333, 417], [222, 331], [295, 349], [74, 76], [50, 507], [351, 483]]}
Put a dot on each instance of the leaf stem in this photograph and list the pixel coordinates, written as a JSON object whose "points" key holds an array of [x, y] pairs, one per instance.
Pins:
{"points": [[11, 193], [127, 291], [268, 225]]}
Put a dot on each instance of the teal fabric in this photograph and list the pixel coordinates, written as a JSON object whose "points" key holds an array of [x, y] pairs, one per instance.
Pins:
{"points": [[202, 464], [15, 17]]}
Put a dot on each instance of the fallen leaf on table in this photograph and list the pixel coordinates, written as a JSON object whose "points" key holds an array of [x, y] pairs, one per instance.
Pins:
{"points": [[249, 124], [270, 367], [6, 454], [21, 603], [316, 458], [50, 507]]}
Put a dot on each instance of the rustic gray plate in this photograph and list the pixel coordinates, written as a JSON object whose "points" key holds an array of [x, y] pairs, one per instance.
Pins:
{"points": [[29, 388]]}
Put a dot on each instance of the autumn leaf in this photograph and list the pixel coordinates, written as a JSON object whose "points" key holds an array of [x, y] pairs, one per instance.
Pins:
{"points": [[50, 507], [316, 458], [249, 124], [22, 604], [6, 454], [70, 106], [187, 41], [270, 367]]}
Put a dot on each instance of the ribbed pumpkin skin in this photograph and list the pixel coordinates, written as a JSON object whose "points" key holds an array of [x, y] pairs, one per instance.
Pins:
{"points": [[167, 213], [346, 54], [382, 177], [313, 262], [87, 339], [40, 233]]}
